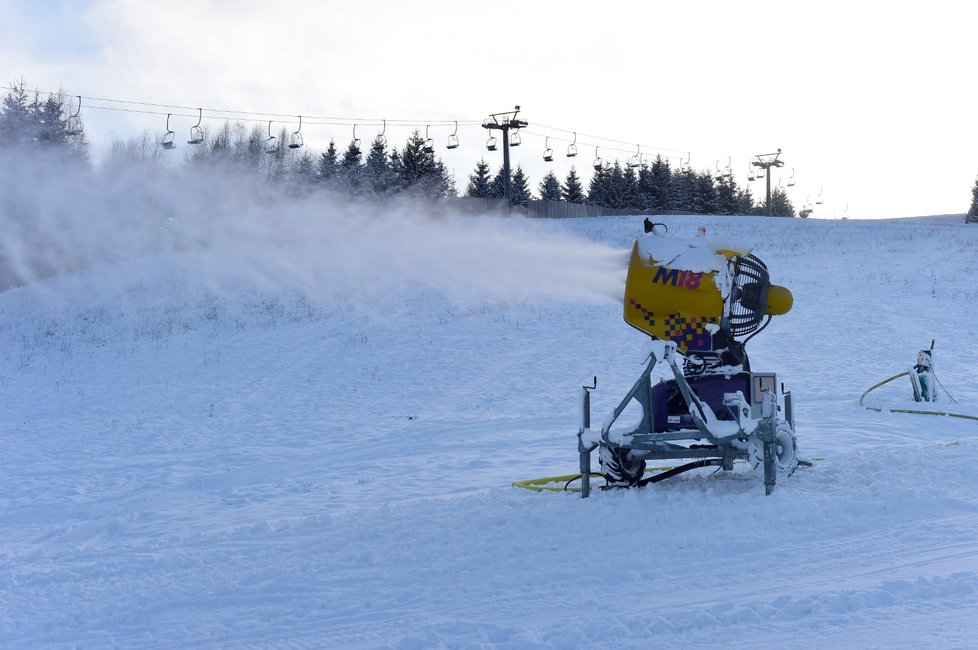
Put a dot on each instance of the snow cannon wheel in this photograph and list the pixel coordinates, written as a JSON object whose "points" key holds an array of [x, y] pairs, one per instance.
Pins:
{"points": [[786, 451], [618, 469]]}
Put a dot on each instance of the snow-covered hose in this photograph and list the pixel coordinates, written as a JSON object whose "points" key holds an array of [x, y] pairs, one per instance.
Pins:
{"points": [[917, 411]]}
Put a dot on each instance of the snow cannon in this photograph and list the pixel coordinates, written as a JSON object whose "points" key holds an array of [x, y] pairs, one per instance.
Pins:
{"points": [[699, 300], [699, 295]]}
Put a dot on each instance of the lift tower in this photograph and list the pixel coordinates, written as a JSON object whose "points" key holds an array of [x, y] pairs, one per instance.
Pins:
{"points": [[504, 122], [766, 161]]}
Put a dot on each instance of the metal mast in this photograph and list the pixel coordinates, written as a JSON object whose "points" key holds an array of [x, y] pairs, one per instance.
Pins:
{"points": [[766, 161], [504, 122]]}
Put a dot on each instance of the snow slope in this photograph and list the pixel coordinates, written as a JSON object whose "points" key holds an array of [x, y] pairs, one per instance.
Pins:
{"points": [[315, 448]]}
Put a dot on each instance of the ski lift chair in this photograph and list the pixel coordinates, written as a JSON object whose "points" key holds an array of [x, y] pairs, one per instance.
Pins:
{"points": [[548, 153], [491, 143], [572, 147], [453, 138], [429, 144], [598, 162], [355, 143], [74, 122], [167, 141], [636, 160], [295, 140], [196, 133], [270, 144]]}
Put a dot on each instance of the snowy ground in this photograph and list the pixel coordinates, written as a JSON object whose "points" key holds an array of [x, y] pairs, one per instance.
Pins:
{"points": [[192, 459]]}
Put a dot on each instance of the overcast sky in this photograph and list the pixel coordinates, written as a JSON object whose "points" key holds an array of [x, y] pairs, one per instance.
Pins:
{"points": [[874, 104]]}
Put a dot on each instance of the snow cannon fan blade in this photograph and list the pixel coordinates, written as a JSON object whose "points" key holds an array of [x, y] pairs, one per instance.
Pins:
{"points": [[753, 297]]}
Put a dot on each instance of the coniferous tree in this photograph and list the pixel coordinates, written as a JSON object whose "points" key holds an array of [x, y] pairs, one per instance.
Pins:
{"points": [[598, 190], [420, 173], [572, 190], [780, 204], [395, 164], [550, 188], [32, 124], [328, 163], [377, 171], [350, 172], [705, 194], [443, 181], [415, 162], [631, 197], [726, 194], [480, 184], [745, 201], [302, 172], [658, 190], [613, 186], [683, 191], [646, 186], [16, 121], [497, 190], [519, 187]]}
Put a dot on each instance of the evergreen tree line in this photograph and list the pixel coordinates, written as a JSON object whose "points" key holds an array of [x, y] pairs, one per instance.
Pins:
{"points": [[647, 187], [29, 122]]}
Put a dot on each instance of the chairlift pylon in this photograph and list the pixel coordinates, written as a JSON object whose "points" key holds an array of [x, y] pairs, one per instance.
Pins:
{"points": [[167, 141], [572, 147], [548, 153], [429, 144], [295, 140], [196, 133], [74, 122], [270, 145], [453, 138]]}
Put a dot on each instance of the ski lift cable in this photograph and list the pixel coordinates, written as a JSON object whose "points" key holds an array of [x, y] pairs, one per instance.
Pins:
{"points": [[591, 140], [256, 116], [216, 113], [141, 107]]}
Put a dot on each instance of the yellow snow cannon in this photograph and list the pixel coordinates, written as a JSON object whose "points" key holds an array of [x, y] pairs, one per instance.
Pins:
{"points": [[700, 300], [699, 293]]}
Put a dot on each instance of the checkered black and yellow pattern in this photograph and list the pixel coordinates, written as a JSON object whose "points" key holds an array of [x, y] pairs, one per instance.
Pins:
{"points": [[688, 333]]}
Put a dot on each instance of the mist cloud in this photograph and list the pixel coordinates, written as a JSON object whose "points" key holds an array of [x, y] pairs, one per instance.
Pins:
{"points": [[219, 228]]}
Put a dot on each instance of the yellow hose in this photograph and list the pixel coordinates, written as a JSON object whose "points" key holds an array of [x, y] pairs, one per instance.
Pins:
{"points": [[917, 411]]}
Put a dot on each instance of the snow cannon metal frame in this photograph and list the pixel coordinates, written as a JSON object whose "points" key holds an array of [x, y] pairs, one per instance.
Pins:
{"points": [[696, 299]]}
